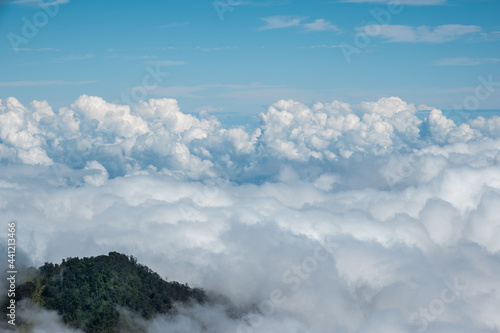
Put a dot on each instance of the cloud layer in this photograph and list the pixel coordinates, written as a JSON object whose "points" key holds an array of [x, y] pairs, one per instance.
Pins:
{"points": [[330, 217], [156, 134]]}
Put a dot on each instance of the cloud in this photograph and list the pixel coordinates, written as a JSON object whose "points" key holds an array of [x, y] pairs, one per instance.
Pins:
{"points": [[333, 216], [211, 49], [43, 321], [330, 130], [75, 57], [234, 91], [321, 25], [464, 61], [322, 46], [175, 25], [42, 83], [420, 34], [157, 134], [280, 22], [260, 3], [42, 3], [167, 63], [401, 2], [37, 50]]}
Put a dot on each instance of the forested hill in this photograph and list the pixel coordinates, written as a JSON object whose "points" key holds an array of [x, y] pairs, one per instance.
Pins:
{"points": [[88, 292]]}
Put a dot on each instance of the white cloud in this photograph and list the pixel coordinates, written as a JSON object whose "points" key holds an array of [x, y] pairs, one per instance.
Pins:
{"points": [[156, 133], [109, 118], [19, 131], [75, 57], [261, 3], [212, 49], [228, 90], [43, 321], [362, 216], [279, 22], [175, 25], [167, 62], [423, 107], [42, 83], [99, 174], [420, 34], [465, 61], [36, 50], [320, 25], [322, 46], [330, 130], [42, 3]]}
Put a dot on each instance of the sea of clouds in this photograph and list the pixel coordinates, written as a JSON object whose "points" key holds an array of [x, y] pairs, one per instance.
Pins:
{"points": [[326, 218]]}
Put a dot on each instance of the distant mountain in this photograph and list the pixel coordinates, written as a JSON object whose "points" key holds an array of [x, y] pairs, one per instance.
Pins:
{"points": [[90, 292]]}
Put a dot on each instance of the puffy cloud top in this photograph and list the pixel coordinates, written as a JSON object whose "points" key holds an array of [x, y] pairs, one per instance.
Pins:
{"points": [[157, 134], [335, 129]]}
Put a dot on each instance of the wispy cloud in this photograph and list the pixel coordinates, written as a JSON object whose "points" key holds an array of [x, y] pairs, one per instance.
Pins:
{"points": [[40, 3], [401, 2], [42, 83], [261, 3], [490, 36], [175, 25], [320, 25], [420, 34], [197, 90], [211, 49], [167, 63], [464, 61], [75, 57], [140, 57], [323, 46], [26, 49], [280, 22]]}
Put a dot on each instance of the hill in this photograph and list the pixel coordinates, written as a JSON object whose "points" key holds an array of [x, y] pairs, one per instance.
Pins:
{"points": [[89, 292]]}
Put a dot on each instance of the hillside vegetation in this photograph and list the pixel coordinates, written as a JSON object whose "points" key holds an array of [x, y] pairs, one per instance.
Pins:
{"points": [[88, 293]]}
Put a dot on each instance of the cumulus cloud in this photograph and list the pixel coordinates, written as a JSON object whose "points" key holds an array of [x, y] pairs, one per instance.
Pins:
{"points": [[19, 133], [352, 218], [327, 131], [156, 134]]}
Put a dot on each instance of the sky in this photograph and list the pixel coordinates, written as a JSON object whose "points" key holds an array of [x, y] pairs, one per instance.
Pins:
{"points": [[238, 57], [316, 170]]}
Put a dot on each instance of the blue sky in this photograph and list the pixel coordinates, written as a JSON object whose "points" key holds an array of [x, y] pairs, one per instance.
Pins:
{"points": [[238, 57]]}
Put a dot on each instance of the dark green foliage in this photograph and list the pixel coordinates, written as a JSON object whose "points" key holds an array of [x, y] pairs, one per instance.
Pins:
{"points": [[88, 292]]}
